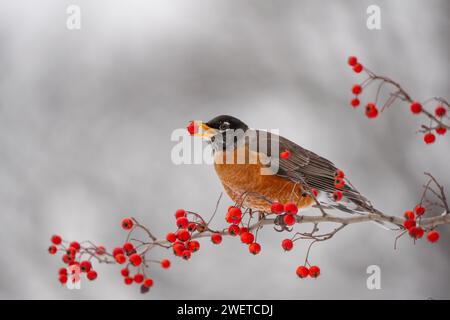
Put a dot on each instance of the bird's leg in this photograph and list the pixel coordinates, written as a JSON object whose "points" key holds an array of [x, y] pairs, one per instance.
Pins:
{"points": [[261, 216], [280, 225]]}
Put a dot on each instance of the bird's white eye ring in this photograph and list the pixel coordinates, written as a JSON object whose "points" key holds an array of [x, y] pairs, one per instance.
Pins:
{"points": [[224, 125]]}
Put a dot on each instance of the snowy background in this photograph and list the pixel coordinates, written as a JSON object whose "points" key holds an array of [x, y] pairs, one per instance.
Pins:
{"points": [[86, 117]]}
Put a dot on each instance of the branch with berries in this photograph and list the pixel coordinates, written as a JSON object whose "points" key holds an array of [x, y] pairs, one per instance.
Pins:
{"points": [[136, 255], [437, 121]]}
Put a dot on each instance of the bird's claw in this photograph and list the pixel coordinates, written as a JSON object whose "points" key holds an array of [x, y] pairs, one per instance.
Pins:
{"points": [[280, 225]]}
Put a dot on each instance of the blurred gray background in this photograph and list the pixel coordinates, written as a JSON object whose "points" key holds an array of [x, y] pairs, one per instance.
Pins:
{"points": [[86, 118]]}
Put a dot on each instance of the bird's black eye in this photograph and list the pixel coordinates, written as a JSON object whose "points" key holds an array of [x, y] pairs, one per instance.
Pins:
{"points": [[224, 126]]}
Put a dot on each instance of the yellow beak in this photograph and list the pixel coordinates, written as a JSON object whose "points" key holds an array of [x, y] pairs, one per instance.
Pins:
{"points": [[204, 131]]}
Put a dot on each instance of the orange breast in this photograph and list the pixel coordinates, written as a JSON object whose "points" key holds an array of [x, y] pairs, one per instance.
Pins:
{"points": [[245, 184]]}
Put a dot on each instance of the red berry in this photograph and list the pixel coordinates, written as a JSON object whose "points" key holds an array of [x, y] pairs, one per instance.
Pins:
{"points": [[74, 263], [408, 224], [409, 215], [192, 128], [186, 254], [247, 237], [289, 219], [138, 278], [433, 236], [182, 222], [127, 224], [216, 238], [62, 271], [52, 249], [356, 89], [371, 110], [352, 61], [75, 245], [355, 102], [233, 217], [314, 192], [287, 244], [314, 271], [171, 237], [235, 214], [148, 282], [277, 207], [243, 230], [302, 272], [416, 232], [183, 235], [56, 239], [228, 218], [429, 138], [285, 154], [165, 263], [85, 266], [233, 230], [100, 250], [120, 258], [339, 183], [128, 247], [339, 174], [117, 251], [193, 245], [440, 111], [92, 275], [358, 68], [135, 259], [254, 248], [67, 259], [337, 196], [62, 278], [416, 107], [178, 248], [128, 281], [291, 208], [125, 272], [441, 130], [71, 252], [192, 226], [419, 210], [180, 213]]}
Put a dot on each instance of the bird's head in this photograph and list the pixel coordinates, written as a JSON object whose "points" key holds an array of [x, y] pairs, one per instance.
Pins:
{"points": [[218, 125]]}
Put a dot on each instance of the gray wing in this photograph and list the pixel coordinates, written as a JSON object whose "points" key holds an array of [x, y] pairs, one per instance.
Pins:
{"points": [[306, 167]]}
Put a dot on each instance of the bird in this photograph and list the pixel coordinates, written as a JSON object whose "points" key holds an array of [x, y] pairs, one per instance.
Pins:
{"points": [[255, 176]]}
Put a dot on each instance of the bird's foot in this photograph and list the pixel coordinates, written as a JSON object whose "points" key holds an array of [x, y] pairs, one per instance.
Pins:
{"points": [[280, 225]]}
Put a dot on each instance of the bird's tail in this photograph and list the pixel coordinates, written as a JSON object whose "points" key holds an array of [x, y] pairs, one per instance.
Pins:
{"points": [[354, 203]]}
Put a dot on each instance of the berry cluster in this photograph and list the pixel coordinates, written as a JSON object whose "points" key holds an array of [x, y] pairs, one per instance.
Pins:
{"points": [[438, 118], [303, 271], [412, 224], [236, 227], [287, 211], [339, 184], [371, 109], [181, 241], [290, 210], [439, 113], [72, 256], [131, 254]]}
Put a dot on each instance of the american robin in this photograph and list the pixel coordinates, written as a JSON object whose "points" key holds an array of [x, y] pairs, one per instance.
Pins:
{"points": [[255, 175]]}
